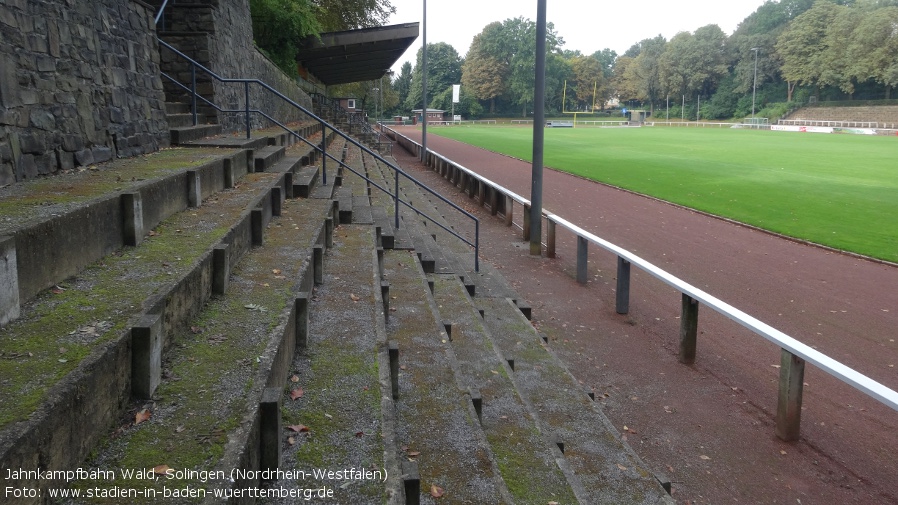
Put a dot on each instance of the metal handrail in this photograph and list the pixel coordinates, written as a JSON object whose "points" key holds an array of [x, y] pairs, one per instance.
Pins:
{"points": [[789, 345], [322, 149]]}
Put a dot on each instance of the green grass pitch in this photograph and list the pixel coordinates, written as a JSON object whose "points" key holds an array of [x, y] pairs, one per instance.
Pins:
{"points": [[836, 190]]}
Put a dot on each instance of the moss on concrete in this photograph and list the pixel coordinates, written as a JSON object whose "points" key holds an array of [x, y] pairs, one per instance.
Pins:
{"points": [[63, 325]]}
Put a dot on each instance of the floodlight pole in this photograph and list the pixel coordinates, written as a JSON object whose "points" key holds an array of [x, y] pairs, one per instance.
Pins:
{"points": [[424, 88], [754, 87], [539, 125]]}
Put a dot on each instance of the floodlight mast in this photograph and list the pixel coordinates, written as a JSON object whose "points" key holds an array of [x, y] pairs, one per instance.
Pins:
{"points": [[754, 87], [424, 87], [539, 120]]}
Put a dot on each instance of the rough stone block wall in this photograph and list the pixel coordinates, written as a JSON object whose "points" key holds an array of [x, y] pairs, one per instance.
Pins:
{"points": [[218, 34], [79, 84]]}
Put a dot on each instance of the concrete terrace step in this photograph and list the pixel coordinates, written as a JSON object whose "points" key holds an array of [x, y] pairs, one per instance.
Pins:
{"points": [[206, 411], [608, 470], [437, 425], [88, 211], [343, 196], [527, 459], [267, 156], [72, 348], [361, 210], [343, 417], [304, 181]]}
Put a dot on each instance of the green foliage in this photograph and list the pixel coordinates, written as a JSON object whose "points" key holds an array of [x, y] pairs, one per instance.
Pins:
{"points": [[279, 26], [443, 70], [339, 15], [774, 111]]}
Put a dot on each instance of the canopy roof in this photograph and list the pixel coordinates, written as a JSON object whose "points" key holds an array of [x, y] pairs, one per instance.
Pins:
{"points": [[355, 55]]}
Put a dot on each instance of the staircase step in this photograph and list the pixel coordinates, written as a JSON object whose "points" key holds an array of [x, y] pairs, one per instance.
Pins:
{"points": [[177, 108], [179, 120], [526, 457], [322, 192], [229, 140], [266, 157], [180, 136], [343, 196], [288, 164], [361, 210], [436, 422], [304, 181], [608, 469], [385, 223], [343, 377]]}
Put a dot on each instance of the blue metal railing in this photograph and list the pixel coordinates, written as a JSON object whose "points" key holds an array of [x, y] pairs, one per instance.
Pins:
{"points": [[325, 126]]}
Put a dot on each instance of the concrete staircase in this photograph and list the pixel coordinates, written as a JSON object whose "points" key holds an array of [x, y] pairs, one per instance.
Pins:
{"points": [[243, 316]]}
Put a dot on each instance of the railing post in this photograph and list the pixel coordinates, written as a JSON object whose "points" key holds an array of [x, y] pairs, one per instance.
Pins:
{"points": [[246, 93], [688, 329], [526, 227], [396, 200], [323, 155], [582, 259], [623, 286], [477, 246], [788, 410], [509, 210], [193, 92], [550, 238]]}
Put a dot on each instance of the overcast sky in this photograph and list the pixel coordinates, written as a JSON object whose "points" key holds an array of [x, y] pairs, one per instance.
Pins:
{"points": [[587, 26]]}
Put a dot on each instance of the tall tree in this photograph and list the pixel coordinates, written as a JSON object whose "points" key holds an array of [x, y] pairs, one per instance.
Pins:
{"points": [[339, 15], [484, 74], [588, 84], [802, 45], [443, 70], [403, 82], [873, 47], [512, 45], [646, 70], [278, 25]]}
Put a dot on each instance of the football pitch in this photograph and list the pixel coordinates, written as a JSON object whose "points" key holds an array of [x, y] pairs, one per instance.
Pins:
{"points": [[838, 190]]}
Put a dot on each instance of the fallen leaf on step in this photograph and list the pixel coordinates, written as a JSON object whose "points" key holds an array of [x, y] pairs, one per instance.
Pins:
{"points": [[354, 297], [296, 393], [704, 457], [413, 454], [436, 491], [298, 428], [161, 469], [291, 440], [143, 415], [276, 271], [295, 378], [359, 434], [622, 467]]}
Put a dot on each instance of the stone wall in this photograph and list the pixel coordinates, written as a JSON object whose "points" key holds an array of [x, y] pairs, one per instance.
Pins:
{"points": [[79, 84], [218, 34]]}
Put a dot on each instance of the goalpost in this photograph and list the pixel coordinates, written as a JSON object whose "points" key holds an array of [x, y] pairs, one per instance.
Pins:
{"points": [[564, 101], [760, 123]]}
